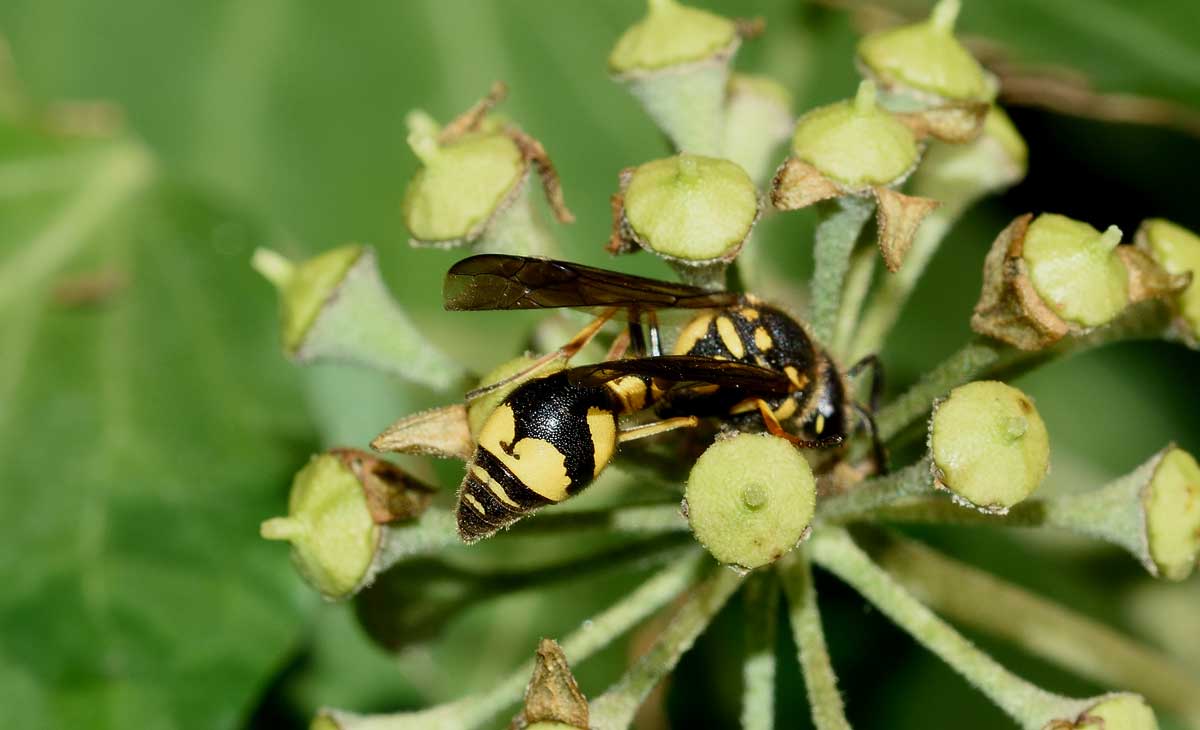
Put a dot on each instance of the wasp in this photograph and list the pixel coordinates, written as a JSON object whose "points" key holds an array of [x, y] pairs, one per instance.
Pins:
{"points": [[737, 359]]}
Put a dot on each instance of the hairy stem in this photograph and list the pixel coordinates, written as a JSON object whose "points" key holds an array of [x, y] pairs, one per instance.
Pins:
{"points": [[1032, 707], [759, 666], [912, 481], [983, 357], [596, 633], [614, 710], [824, 699], [1046, 629], [839, 223], [858, 283]]}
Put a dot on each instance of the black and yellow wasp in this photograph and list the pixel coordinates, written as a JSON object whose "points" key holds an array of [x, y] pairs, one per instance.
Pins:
{"points": [[736, 359]]}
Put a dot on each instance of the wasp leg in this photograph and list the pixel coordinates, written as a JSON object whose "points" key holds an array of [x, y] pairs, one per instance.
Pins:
{"points": [[775, 429], [637, 338], [879, 453], [873, 362], [567, 351], [651, 429], [620, 345], [655, 338]]}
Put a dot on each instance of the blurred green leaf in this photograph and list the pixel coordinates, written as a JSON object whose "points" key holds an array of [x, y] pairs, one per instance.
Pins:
{"points": [[147, 425]]}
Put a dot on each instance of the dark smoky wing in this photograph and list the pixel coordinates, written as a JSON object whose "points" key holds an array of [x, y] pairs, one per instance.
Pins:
{"points": [[499, 281], [750, 379]]}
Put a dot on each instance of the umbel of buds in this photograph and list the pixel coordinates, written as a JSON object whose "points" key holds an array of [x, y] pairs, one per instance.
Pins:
{"points": [[338, 505], [927, 76], [695, 212], [990, 447], [472, 186], [750, 499], [676, 62]]}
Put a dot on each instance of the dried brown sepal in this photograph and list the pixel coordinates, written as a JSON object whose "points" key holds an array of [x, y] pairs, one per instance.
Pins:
{"points": [[750, 28], [898, 216], [534, 152], [1009, 308], [621, 240], [1148, 280], [440, 432], [954, 123], [552, 694], [392, 494], [470, 120], [798, 185]]}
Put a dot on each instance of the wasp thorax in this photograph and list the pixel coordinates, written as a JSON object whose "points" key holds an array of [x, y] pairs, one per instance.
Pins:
{"points": [[989, 445], [750, 499]]}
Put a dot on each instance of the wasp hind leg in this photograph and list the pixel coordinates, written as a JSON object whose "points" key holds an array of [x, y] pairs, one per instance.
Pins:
{"points": [[653, 429], [777, 429]]}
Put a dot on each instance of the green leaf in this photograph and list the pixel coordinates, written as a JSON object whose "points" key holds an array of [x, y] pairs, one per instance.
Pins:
{"points": [[147, 424]]}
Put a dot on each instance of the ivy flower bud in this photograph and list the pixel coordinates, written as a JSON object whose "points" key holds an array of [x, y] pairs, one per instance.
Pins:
{"points": [[758, 118], [335, 307], [676, 62], [856, 148], [552, 697], [750, 499], [989, 445], [1116, 711], [336, 510], [1046, 277], [1178, 251], [927, 74], [471, 187], [1171, 502]]}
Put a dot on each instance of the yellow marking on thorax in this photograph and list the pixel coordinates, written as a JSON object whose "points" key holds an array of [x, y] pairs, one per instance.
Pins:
{"points": [[762, 339], [748, 313], [631, 391], [786, 409], [800, 380], [603, 427], [536, 462], [494, 486], [820, 425], [693, 332], [730, 338]]}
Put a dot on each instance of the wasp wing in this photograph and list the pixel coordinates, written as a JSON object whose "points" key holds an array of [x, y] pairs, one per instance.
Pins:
{"points": [[500, 281], [752, 380]]}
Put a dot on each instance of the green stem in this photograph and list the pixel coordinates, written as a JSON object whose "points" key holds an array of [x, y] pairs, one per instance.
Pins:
{"points": [[858, 283], [759, 666], [1043, 628], [869, 496], [596, 633], [824, 699], [614, 710], [895, 289], [839, 223], [982, 357], [1032, 707]]}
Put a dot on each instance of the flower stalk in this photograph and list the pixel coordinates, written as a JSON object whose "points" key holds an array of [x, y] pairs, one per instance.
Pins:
{"points": [[824, 699]]}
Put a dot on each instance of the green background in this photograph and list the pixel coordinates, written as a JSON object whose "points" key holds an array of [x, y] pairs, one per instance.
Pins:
{"points": [[146, 437]]}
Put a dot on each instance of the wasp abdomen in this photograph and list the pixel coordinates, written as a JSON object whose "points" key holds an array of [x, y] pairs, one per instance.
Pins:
{"points": [[546, 441]]}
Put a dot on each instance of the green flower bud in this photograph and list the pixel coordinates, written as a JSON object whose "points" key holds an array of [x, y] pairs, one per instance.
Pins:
{"points": [[1178, 251], [1172, 504], [856, 143], [460, 185], [669, 35], [925, 58], [304, 288], [750, 499], [1076, 270], [989, 445], [324, 722], [692, 209], [1118, 711], [336, 510], [335, 307]]}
